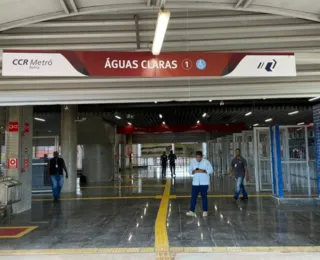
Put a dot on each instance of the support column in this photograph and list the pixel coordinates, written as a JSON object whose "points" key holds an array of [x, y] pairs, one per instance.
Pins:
{"points": [[98, 162], [19, 148], [316, 123], [129, 149], [123, 154], [69, 146]]}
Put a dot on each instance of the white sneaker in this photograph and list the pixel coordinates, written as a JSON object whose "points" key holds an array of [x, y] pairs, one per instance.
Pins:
{"points": [[205, 214], [191, 214]]}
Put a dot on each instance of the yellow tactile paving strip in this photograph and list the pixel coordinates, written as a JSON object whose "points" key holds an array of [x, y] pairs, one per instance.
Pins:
{"points": [[161, 235], [27, 230]]}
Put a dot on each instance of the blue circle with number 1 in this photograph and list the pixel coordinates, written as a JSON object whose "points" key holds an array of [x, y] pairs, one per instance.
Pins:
{"points": [[201, 64]]}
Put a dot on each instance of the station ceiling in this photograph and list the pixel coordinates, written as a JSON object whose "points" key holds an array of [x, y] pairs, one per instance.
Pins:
{"points": [[186, 113], [210, 25]]}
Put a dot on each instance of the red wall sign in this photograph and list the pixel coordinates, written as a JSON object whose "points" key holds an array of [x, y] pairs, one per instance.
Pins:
{"points": [[26, 129], [13, 163], [13, 127], [25, 163], [144, 64]]}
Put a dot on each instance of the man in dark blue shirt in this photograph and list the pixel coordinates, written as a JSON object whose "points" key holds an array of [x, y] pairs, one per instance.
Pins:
{"points": [[172, 160]]}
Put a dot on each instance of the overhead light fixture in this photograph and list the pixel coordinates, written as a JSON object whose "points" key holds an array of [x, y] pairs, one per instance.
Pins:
{"points": [[155, 102], [302, 123], [160, 32], [222, 103], [314, 98], [256, 125], [204, 115], [160, 115], [268, 120], [210, 101], [66, 108], [39, 119], [129, 123], [117, 117], [163, 123], [293, 113], [248, 114], [198, 122]]}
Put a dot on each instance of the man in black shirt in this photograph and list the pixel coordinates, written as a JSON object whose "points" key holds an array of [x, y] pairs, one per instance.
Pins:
{"points": [[172, 160], [55, 170], [240, 166], [164, 160]]}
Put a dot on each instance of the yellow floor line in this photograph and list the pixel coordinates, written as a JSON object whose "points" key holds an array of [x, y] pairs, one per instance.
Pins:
{"points": [[285, 249], [164, 254], [122, 187], [101, 198], [149, 197], [161, 234], [76, 251], [219, 196]]}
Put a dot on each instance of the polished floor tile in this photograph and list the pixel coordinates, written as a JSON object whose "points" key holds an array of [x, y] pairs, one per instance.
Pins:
{"points": [[130, 223]]}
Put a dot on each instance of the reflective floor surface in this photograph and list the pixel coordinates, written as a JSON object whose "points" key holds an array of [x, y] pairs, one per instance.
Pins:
{"points": [[148, 214]]}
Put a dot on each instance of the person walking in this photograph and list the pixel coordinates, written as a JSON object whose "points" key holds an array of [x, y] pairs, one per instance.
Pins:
{"points": [[164, 161], [200, 169], [172, 161], [56, 166], [240, 167]]}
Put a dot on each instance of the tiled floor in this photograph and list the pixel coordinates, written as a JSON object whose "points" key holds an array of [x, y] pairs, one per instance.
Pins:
{"points": [[105, 223]]}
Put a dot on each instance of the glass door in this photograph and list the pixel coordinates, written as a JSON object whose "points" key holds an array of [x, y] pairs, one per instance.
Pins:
{"points": [[43, 149]]}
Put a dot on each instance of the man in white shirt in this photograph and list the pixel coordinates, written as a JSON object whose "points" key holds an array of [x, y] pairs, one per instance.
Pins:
{"points": [[200, 169]]}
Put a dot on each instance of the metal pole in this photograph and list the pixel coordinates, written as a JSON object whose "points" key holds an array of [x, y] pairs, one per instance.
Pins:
{"points": [[316, 146], [279, 165], [273, 167], [307, 160], [256, 154]]}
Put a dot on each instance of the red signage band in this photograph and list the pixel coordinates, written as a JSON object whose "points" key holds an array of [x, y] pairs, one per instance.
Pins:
{"points": [[225, 128], [144, 64]]}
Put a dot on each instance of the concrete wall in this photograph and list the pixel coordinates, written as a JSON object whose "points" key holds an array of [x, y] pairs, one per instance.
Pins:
{"points": [[98, 140], [98, 162]]}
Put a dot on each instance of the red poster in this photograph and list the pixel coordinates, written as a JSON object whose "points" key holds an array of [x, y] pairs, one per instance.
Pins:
{"points": [[13, 163], [13, 127]]}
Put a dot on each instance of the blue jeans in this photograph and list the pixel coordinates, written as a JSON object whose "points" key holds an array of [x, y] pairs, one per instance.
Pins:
{"points": [[240, 188], [203, 189], [57, 184]]}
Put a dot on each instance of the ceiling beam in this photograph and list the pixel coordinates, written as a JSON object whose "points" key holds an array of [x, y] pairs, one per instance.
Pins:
{"points": [[136, 20], [247, 3], [238, 4], [148, 3], [74, 6], [64, 6]]}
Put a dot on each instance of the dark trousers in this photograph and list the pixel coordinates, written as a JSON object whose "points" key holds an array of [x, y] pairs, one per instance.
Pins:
{"points": [[173, 168], [203, 189], [164, 170]]}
